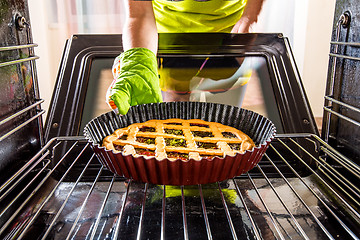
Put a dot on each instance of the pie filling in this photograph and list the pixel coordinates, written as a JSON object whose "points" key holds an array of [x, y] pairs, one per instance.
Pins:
{"points": [[175, 142], [173, 123], [147, 129], [174, 131], [235, 146], [229, 135], [202, 134], [144, 151], [207, 145], [199, 125], [146, 140], [178, 155], [118, 147], [123, 137]]}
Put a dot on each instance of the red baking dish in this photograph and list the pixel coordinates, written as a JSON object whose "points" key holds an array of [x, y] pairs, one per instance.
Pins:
{"points": [[181, 172]]}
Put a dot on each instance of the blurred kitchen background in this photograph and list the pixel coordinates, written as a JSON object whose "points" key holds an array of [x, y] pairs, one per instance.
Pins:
{"points": [[307, 24]]}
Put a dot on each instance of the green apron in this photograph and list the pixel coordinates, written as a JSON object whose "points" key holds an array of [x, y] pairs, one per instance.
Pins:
{"points": [[197, 16]]}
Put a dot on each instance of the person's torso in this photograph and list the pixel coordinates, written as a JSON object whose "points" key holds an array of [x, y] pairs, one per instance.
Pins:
{"points": [[197, 16]]}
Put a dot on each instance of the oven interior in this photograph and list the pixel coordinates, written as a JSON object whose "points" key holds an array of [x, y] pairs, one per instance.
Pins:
{"points": [[305, 187]]}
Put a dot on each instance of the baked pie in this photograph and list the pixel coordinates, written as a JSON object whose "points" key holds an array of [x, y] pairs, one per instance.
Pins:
{"points": [[178, 139]]}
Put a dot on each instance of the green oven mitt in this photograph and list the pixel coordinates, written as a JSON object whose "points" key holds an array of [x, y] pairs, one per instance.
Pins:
{"points": [[136, 80]]}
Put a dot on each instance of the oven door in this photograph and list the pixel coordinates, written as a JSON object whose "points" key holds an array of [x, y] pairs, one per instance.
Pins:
{"points": [[253, 71]]}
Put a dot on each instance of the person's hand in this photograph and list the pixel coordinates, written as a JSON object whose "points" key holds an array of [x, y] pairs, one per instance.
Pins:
{"points": [[249, 16], [136, 80], [242, 26]]}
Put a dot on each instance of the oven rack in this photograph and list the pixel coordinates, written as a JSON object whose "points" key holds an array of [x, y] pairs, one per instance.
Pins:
{"points": [[341, 108], [309, 200], [21, 23]]}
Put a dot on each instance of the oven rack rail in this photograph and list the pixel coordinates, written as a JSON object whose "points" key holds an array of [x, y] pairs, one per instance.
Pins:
{"points": [[36, 105], [330, 100], [252, 201], [329, 97]]}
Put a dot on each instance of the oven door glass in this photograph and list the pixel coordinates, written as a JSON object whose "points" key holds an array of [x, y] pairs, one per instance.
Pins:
{"points": [[232, 80]]}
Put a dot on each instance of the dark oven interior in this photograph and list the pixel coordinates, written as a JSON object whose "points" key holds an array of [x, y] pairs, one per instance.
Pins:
{"points": [[305, 187]]}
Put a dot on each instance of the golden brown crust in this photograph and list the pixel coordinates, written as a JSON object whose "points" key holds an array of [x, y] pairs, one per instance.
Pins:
{"points": [[178, 138]]}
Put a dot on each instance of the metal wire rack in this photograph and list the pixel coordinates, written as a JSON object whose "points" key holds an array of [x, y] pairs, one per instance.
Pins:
{"points": [[294, 193]]}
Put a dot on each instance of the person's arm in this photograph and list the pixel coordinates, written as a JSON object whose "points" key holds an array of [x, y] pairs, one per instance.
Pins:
{"points": [[140, 27], [136, 78], [249, 17]]}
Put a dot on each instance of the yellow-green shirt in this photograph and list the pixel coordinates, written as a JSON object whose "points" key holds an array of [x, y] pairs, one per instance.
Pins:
{"points": [[197, 16]]}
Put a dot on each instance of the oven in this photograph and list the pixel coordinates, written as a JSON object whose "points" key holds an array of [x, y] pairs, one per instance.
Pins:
{"points": [[52, 185]]}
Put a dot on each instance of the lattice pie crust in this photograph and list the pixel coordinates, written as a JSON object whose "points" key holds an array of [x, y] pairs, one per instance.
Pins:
{"points": [[178, 139]]}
